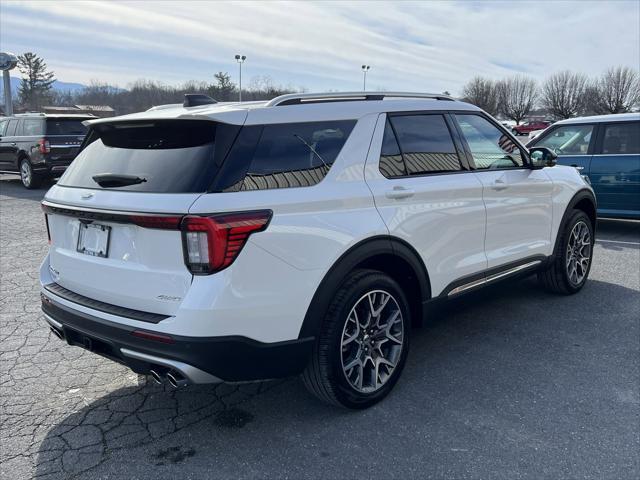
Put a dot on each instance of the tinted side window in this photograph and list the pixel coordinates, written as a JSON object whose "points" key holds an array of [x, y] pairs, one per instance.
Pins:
{"points": [[3, 126], [490, 147], [568, 139], [295, 154], [11, 129], [391, 163], [426, 144], [31, 127], [621, 138]]}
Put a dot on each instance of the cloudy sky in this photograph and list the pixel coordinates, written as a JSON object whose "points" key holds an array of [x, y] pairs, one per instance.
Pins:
{"points": [[423, 46]]}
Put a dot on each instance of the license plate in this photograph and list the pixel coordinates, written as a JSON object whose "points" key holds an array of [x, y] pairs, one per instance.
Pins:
{"points": [[93, 239]]}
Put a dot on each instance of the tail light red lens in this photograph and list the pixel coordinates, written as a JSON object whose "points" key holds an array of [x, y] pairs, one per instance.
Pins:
{"points": [[44, 146], [213, 243]]}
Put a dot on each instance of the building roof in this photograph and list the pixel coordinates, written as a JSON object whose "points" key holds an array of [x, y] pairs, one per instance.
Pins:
{"points": [[97, 108]]}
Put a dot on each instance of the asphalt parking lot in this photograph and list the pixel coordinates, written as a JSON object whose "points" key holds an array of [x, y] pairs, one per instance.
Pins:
{"points": [[509, 383]]}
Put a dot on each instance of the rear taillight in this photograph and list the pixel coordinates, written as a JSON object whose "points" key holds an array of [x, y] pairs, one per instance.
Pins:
{"points": [[44, 146], [212, 243]]}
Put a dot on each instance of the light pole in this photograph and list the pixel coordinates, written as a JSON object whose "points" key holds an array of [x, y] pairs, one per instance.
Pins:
{"points": [[240, 59], [8, 61], [365, 69]]}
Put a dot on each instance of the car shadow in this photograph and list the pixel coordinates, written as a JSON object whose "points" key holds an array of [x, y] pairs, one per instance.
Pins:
{"points": [[470, 348], [617, 235], [11, 186]]}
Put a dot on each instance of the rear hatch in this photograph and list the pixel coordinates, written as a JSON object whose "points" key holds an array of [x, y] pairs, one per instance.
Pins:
{"points": [[65, 135], [112, 217]]}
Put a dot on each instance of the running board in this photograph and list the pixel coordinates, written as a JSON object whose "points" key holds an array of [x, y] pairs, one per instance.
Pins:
{"points": [[491, 278]]}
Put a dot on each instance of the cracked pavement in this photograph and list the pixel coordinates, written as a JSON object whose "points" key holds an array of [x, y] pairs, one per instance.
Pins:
{"points": [[507, 383]]}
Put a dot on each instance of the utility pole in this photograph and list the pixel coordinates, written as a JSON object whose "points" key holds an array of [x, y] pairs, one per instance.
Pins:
{"points": [[365, 69], [240, 59]]}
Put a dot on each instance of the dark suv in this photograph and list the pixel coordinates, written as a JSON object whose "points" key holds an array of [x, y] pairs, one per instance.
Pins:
{"points": [[39, 146]]}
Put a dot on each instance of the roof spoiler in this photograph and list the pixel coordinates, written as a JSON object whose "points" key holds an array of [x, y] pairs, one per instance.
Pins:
{"points": [[197, 99]]}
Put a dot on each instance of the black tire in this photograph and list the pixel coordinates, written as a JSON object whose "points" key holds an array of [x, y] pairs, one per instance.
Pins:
{"points": [[28, 177], [324, 375], [556, 277]]}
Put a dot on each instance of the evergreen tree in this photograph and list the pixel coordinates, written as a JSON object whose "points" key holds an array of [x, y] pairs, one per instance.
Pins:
{"points": [[36, 84]]}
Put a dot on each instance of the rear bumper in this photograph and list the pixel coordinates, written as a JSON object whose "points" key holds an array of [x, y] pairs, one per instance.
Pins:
{"points": [[199, 359]]}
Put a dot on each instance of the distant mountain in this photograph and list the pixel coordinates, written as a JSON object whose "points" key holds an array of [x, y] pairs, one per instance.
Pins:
{"points": [[57, 85]]}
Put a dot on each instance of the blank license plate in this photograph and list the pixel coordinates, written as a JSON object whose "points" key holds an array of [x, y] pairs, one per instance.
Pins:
{"points": [[93, 239]]}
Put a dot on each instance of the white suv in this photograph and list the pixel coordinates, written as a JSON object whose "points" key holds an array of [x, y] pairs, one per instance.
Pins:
{"points": [[207, 242]]}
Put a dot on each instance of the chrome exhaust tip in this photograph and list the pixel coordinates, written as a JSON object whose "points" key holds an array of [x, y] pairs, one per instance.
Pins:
{"points": [[176, 380], [57, 333], [156, 377]]}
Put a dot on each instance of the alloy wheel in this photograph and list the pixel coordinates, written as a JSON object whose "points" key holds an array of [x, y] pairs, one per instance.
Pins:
{"points": [[372, 341], [25, 173], [578, 253]]}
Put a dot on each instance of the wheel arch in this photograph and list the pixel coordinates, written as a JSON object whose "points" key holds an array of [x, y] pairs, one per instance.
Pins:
{"points": [[583, 200], [22, 155], [387, 254]]}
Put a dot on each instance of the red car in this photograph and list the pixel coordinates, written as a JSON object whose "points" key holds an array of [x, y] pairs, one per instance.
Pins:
{"points": [[526, 127]]}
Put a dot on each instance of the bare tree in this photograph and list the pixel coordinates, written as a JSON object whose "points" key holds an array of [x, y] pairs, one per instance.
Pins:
{"points": [[483, 93], [563, 94], [516, 96], [618, 90]]}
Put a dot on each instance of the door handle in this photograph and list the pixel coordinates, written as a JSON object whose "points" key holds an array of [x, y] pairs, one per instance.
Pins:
{"points": [[499, 184], [400, 192], [13, 144], [577, 167]]}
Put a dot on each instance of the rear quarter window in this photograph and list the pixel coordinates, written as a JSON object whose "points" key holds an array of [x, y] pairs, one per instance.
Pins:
{"points": [[293, 154], [32, 127]]}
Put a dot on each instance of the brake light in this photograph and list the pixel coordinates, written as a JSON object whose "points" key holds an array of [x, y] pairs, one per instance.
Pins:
{"points": [[44, 146], [213, 243]]}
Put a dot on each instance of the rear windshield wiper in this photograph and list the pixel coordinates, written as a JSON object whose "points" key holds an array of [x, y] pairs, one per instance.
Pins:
{"points": [[107, 180]]}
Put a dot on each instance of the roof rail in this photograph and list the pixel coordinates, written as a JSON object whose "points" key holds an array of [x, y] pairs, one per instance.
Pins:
{"points": [[30, 114], [301, 98]]}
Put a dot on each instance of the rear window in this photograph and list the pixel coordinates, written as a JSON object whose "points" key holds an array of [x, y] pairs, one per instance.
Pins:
{"points": [[165, 156], [66, 126]]}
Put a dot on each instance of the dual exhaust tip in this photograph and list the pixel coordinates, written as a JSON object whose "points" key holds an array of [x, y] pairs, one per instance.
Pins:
{"points": [[175, 379]]}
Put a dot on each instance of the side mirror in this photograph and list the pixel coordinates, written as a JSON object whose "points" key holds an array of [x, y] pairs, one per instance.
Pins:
{"points": [[542, 157]]}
